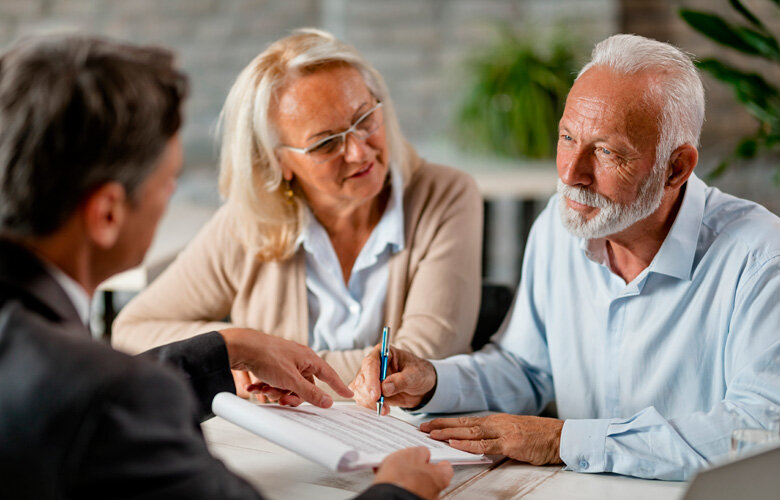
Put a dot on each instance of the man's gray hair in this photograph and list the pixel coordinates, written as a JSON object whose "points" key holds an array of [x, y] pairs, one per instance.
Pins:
{"points": [[678, 86]]}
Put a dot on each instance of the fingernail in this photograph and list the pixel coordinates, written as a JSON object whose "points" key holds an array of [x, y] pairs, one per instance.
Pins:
{"points": [[326, 401], [389, 388], [373, 394]]}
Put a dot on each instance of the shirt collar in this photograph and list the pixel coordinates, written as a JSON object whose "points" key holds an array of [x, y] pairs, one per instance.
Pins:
{"points": [[78, 297], [676, 255], [677, 252], [388, 232]]}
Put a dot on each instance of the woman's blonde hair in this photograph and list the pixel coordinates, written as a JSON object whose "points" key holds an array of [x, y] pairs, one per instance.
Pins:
{"points": [[250, 177]]}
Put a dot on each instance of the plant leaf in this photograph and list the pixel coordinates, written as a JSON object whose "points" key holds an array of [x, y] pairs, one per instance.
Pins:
{"points": [[765, 45], [751, 18], [513, 105], [715, 28], [760, 97], [747, 148]]}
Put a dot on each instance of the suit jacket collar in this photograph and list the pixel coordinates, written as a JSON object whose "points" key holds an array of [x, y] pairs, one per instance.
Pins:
{"points": [[23, 275]]}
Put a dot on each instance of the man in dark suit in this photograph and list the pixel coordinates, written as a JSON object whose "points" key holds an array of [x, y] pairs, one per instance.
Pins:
{"points": [[89, 154]]}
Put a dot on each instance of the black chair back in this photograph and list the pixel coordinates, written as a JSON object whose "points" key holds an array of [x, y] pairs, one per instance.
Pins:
{"points": [[496, 301]]}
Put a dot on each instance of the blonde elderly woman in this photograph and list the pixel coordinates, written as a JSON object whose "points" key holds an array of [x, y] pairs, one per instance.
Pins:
{"points": [[332, 228]]}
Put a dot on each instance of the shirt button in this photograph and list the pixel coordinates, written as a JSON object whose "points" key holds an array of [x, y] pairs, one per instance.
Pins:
{"points": [[584, 464]]}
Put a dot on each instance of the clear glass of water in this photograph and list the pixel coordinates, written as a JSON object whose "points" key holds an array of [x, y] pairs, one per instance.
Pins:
{"points": [[743, 440]]}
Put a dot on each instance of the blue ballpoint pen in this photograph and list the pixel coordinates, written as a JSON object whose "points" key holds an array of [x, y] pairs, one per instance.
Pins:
{"points": [[383, 375]]}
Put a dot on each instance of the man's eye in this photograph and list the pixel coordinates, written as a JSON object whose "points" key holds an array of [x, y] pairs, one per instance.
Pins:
{"points": [[566, 137], [605, 151]]}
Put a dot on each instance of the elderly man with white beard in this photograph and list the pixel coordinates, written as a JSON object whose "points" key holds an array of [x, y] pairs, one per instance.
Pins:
{"points": [[649, 304]]}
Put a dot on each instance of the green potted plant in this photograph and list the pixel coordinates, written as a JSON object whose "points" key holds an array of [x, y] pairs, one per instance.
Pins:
{"points": [[760, 97], [516, 98]]}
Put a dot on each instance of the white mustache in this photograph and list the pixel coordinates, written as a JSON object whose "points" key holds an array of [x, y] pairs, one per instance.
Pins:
{"points": [[582, 195]]}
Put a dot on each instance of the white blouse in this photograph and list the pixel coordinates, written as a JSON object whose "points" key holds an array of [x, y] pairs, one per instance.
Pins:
{"points": [[350, 316]]}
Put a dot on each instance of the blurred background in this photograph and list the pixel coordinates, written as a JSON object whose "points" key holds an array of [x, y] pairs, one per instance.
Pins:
{"points": [[478, 84]]}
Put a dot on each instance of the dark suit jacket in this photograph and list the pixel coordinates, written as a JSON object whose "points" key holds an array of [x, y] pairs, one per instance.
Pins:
{"points": [[80, 420]]}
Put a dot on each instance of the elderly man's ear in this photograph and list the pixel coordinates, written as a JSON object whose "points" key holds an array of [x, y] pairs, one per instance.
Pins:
{"points": [[681, 165], [104, 213]]}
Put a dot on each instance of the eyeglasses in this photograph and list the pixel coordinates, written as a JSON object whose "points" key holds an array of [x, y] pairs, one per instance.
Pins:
{"points": [[332, 146]]}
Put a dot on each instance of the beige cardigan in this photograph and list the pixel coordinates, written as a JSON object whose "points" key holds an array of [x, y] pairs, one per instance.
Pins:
{"points": [[433, 291]]}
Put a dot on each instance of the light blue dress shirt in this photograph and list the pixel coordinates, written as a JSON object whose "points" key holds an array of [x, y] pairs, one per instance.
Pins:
{"points": [[652, 376], [349, 316]]}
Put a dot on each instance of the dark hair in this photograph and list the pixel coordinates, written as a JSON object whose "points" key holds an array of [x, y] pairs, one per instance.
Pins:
{"points": [[77, 112]]}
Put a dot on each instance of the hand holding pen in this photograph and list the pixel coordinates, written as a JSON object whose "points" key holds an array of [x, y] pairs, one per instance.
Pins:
{"points": [[408, 380]]}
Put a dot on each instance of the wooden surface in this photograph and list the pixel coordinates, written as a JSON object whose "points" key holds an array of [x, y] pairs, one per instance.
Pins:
{"points": [[280, 474]]}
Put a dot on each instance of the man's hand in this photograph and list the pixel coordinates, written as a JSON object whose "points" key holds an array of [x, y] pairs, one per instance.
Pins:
{"points": [[535, 440], [409, 469], [409, 380], [247, 386], [286, 369]]}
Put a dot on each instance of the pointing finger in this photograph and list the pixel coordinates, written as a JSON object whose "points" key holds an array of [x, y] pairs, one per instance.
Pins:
{"points": [[326, 373]]}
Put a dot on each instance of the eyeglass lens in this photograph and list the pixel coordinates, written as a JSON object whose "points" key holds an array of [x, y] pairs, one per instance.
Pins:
{"points": [[331, 146]]}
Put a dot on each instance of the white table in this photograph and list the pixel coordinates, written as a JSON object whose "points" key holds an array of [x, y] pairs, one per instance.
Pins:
{"points": [[280, 474]]}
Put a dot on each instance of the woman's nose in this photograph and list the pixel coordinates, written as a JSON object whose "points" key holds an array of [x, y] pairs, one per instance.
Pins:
{"points": [[355, 149]]}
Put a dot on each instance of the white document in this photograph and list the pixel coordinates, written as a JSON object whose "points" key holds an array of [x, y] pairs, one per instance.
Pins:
{"points": [[341, 438]]}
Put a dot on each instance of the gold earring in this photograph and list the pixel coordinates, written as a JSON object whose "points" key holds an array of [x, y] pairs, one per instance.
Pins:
{"points": [[288, 192]]}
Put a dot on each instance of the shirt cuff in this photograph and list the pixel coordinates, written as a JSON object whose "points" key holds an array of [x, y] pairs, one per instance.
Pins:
{"points": [[203, 360], [443, 400], [583, 443]]}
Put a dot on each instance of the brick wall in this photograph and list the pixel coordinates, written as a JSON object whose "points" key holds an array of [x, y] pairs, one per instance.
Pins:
{"points": [[418, 45], [214, 40]]}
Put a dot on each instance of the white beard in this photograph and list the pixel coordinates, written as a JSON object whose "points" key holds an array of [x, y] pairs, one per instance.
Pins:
{"points": [[612, 217]]}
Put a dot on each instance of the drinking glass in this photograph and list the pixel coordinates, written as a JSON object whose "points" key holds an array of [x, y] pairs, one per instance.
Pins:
{"points": [[743, 440]]}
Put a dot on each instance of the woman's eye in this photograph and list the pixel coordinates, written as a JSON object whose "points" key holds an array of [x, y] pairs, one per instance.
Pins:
{"points": [[325, 146]]}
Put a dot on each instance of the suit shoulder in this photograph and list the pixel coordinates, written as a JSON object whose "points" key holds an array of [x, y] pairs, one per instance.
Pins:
{"points": [[65, 355]]}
